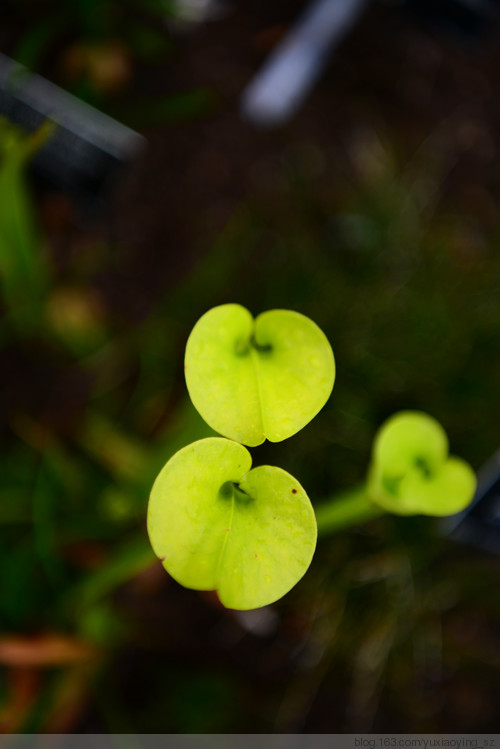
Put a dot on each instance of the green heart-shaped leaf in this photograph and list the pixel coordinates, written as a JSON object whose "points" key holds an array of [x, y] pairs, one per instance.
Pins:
{"points": [[217, 525], [251, 379], [411, 472]]}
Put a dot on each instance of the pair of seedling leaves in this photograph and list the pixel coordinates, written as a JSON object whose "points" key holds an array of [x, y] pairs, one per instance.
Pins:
{"points": [[215, 522]]}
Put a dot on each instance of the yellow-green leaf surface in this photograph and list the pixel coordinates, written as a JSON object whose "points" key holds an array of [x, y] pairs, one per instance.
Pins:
{"points": [[217, 524], [256, 379], [411, 472]]}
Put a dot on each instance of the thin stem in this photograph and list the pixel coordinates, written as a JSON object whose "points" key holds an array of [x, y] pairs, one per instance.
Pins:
{"points": [[345, 509]]}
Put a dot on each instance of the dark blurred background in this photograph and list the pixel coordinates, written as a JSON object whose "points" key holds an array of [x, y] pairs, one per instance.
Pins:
{"points": [[375, 211]]}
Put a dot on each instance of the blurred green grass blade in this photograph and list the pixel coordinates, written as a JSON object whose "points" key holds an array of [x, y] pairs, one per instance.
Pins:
{"points": [[66, 469], [44, 506], [26, 599], [121, 454], [24, 274], [127, 561]]}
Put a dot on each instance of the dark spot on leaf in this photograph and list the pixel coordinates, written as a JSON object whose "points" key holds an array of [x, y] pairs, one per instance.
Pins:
{"points": [[294, 491], [256, 555], [423, 466]]}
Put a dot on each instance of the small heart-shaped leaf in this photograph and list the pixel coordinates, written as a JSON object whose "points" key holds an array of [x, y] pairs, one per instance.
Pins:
{"points": [[217, 525], [251, 379], [411, 472]]}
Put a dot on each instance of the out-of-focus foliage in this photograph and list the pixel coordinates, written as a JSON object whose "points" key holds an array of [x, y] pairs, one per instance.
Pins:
{"points": [[393, 626], [24, 272], [411, 471], [96, 25], [97, 43]]}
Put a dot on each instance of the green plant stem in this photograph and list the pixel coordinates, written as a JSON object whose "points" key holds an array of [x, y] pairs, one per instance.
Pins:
{"points": [[344, 510]]}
